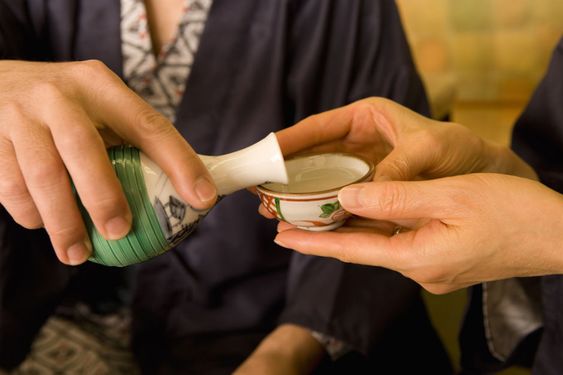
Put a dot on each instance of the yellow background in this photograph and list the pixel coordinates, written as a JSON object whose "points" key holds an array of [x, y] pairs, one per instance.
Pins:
{"points": [[480, 60]]}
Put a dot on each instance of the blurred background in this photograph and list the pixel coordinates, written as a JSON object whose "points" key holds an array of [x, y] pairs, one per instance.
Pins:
{"points": [[480, 61]]}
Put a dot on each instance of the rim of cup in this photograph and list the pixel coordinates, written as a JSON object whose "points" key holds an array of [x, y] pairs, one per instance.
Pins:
{"points": [[371, 167]]}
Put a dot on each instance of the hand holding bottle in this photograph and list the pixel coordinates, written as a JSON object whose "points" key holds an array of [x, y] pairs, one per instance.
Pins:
{"points": [[56, 120]]}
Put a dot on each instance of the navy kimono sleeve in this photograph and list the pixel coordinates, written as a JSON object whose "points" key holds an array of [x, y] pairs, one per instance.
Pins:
{"points": [[11, 35], [537, 138], [538, 133], [18, 34], [358, 50]]}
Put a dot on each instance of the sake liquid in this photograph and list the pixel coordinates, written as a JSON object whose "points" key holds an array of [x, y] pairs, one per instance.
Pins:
{"points": [[315, 180]]}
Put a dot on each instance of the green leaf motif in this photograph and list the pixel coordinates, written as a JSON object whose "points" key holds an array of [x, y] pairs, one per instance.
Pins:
{"points": [[328, 209], [278, 208]]}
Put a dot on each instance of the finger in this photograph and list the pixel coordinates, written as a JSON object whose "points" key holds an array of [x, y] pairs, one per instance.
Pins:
{"points": [[139, 124], [14, 195], [372, 119], [85, 157], [387, 226], [316, 130], [264, 212], [367, 229], [283, 226], [405, 162], [48, 184], [363, 248], [444, 288], [383, 226], [394, 200]]}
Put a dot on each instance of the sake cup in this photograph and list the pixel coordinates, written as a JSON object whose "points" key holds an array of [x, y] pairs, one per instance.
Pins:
{"points": [[310, 199]]}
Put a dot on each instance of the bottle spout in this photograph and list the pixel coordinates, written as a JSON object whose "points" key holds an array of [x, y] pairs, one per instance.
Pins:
{"points": [[254, 165]]}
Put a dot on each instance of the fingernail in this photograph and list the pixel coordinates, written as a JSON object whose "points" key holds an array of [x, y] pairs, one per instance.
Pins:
{"points": [[117, 227], [350, 197], [280, 243], [205, 190], [79, 252]]}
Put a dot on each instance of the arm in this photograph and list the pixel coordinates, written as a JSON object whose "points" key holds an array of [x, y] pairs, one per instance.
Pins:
{"points": [[289, 349]]}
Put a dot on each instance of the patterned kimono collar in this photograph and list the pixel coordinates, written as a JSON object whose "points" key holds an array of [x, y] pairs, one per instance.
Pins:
{"points": [[161, 80]]}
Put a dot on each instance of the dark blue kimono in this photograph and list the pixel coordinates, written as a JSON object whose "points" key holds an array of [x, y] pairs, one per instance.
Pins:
{"points": [[262, 65], [538, 139]]}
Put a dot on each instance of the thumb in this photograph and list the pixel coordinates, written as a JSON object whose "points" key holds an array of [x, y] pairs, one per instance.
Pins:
{"points": [[394, 200]]}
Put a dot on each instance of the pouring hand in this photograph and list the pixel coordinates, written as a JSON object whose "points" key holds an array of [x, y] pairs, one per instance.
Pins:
{"points": [[56, 120]]}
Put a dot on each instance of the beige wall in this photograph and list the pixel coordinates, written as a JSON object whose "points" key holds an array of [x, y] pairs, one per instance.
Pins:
{"points": [[495, 50]]}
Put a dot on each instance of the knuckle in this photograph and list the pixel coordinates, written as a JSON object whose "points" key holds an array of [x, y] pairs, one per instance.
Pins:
{"points": [[398, 168], [47, 92], [93, 78], [344, 257], [12, 190], [365, 106], [392, 199], [46, 175], [12, 112], [372, 102], [74, 137], [432, 138], [28, 220], [153, 124], [346, 253], [13, 119], [438, 289], [432, 275], [90, 69], [64, 236], [105, 207], [23, 211], [342, 254]]}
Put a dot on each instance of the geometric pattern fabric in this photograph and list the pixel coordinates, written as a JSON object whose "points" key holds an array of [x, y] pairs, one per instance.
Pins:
{"points": [[160, 80]]}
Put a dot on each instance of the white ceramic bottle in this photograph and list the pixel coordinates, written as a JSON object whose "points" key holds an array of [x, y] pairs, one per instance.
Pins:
{"points": [[161, 218]]}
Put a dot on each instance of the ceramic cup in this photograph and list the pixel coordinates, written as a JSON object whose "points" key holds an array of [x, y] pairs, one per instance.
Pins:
{"points": [[161, 218], [310, 199]]}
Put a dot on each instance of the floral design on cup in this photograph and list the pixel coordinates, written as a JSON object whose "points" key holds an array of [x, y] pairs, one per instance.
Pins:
{"points": [[310, 199]]}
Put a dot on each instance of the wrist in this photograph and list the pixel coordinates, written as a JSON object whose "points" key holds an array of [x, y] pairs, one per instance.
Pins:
{"points": [[293, 344], [554, 233], [503, 160], [538, 218]]}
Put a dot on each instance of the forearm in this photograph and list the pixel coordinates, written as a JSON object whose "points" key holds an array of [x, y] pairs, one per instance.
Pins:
{"points": [[504, 160], [289, 349], [550, 232], [533, 236]]}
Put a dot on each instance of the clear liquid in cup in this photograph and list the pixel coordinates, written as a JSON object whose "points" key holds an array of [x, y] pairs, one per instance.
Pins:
{"points": [[316, 180]]}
